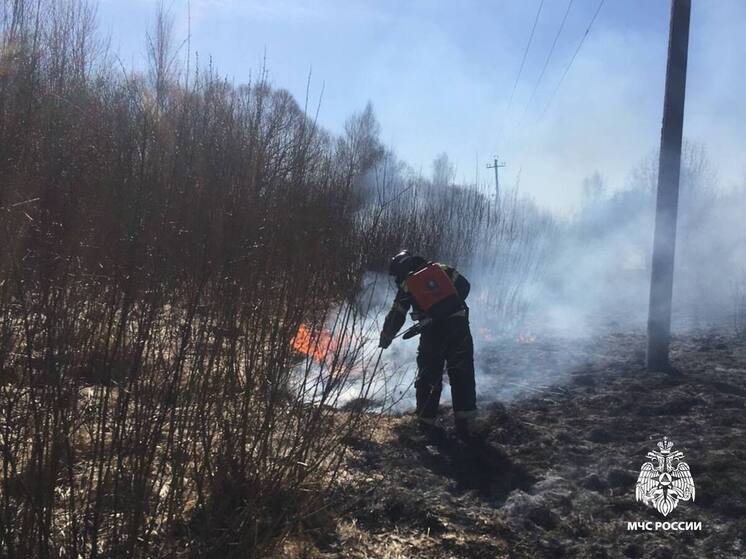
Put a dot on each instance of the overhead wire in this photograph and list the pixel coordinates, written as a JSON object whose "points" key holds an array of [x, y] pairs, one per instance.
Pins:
{"points": [[544, 68], [569, 65], [523, 63]]}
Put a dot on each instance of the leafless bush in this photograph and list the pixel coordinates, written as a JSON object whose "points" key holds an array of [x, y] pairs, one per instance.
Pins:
{"points": [[161, 247], [501, 244], [170, 258], [603, 264]]}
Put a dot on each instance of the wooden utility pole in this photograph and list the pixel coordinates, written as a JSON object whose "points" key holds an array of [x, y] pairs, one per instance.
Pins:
{"points": [[669, 167], [496, 166]]}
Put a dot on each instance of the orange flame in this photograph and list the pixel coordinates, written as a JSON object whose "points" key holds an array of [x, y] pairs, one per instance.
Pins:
{"points": [[318, 347]]}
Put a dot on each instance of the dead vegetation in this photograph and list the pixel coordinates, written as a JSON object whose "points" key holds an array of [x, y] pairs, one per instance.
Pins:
{"points": [[554, 474], [163, 239], [160, 248], [180, 260]]}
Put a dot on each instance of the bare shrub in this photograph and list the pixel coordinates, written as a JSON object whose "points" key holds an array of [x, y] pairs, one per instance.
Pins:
{"points": [[161, 247], [501, 245]]}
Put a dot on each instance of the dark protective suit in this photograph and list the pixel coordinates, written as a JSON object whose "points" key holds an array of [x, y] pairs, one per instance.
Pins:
{"points": [[444, 343]]}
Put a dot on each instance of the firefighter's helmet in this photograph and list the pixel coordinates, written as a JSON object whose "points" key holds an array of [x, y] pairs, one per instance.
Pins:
{"points": [[399, 264], [405, 262]]}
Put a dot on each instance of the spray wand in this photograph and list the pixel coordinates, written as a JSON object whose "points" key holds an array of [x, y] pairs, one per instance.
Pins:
{"points": [[415, 330]]}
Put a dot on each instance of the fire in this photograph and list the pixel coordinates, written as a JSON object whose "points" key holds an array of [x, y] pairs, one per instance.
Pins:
{"points": [[318, 347]]}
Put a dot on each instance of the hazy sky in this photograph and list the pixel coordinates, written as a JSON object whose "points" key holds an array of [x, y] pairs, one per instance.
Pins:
{"points": [[440, 76]]}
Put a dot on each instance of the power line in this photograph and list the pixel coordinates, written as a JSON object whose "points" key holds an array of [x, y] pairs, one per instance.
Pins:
{"points": [[523, 60], [574, 55], [546, 62]]}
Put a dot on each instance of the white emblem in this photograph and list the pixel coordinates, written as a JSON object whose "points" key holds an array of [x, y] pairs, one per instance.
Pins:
{"points": [[663, 486]]}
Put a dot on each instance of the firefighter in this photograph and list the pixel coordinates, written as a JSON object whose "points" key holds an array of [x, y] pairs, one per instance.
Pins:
{"points": [[436, 293]]}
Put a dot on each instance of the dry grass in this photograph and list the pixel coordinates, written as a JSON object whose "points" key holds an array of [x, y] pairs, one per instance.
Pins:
{"points": [[161, 246], [162, 239]]}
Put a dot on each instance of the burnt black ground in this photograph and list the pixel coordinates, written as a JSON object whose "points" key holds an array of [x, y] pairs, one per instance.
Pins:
{"points": [[554, 472]]}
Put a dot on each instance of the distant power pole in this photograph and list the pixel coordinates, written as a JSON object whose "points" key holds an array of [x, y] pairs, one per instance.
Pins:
{"points": [[669, 167], [496, 165]]}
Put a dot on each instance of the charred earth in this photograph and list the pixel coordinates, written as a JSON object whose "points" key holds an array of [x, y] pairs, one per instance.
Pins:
{"points": [[553, 472]]}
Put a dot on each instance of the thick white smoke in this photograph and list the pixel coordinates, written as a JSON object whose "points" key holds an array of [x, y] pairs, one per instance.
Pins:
{"points": [[545, 285]]}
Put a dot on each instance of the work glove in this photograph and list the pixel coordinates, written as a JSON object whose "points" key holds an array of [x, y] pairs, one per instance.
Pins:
{"points": [[384, 341]]}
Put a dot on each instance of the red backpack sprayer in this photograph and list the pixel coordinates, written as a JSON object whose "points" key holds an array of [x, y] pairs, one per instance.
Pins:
{"points": [[434, 293]]}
